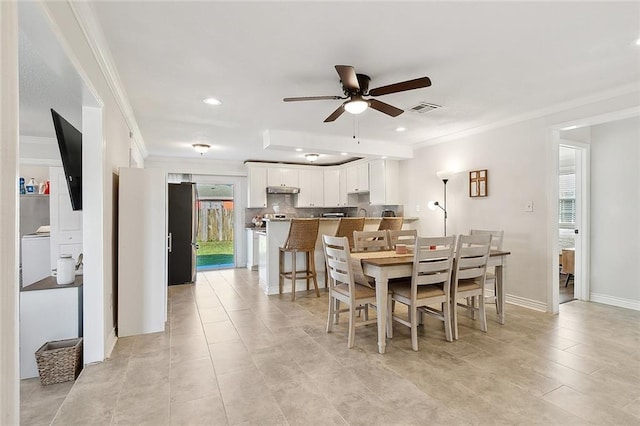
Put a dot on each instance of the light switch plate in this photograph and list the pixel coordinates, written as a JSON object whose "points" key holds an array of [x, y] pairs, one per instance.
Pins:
{"points": [[528, 207], [417, 207]]}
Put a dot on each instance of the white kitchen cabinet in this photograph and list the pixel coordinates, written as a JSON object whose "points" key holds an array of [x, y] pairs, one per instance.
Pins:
{"points": [[311, 188], [257, 177], [66, 224], [335, 188], [282, 176], [383, 182], [253, 254], [358, 178]]}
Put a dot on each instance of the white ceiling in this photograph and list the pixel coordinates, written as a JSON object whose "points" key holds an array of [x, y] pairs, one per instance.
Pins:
{"points": [[488, 62]]}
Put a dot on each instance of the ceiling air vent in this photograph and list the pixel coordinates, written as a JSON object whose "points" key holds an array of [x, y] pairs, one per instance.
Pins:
{"points": [[423, 107]]}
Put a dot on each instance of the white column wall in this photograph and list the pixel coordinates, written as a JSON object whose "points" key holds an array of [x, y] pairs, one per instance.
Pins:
{"points": [[9, 356], [615, 212]]}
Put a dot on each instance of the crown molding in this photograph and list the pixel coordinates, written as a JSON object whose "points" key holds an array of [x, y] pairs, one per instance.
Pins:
{"points": [[95, 38], [535, 114]]}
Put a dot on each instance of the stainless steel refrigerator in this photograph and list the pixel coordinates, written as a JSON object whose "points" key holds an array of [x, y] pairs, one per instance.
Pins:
{"points": [[183, 230]]}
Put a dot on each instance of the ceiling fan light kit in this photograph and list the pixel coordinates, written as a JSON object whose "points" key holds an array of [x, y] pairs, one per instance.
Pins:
{"points": [[357, 106], [355, 86]]}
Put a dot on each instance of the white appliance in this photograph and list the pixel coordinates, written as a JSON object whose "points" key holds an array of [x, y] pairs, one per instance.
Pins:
{"points": [[36, 264]]}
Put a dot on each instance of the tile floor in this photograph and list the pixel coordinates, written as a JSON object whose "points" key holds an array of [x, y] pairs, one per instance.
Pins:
{"points": [[232, 355]]}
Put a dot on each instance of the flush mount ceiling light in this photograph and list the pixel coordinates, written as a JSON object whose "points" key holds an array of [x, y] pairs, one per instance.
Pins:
{"points": [[201, 148], [311, 157], [356, 106], [212, 101]]}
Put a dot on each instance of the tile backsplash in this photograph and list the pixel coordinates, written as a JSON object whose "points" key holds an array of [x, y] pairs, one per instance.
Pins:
{"points": [[285, 203]]}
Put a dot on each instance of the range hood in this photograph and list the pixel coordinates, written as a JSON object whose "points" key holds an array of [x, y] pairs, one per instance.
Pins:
{"points": [[282, 190]]}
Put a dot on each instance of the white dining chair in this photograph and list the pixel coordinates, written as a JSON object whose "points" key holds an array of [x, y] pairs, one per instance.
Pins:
{"points": [[371, 240], [430, 284], [490, 279], [402, 236], [470, 268], [343, 288]]}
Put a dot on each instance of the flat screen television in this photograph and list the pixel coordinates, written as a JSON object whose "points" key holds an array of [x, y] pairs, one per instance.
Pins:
{"points": [[70, 144]]}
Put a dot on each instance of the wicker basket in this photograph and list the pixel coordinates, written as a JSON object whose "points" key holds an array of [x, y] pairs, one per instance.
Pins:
{"points": [[59, 361]]}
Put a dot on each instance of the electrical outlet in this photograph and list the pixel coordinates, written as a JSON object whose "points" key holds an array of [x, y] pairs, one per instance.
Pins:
{"points": [[528, 207], [417, 207]]}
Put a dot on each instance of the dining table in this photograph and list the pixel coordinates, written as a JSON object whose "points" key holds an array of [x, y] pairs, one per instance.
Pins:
{"points": [[386, 265]]}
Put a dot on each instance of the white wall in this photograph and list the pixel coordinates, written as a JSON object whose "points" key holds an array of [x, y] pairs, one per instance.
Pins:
{"points": [[112, 153], [615, 212], [521, 167]]}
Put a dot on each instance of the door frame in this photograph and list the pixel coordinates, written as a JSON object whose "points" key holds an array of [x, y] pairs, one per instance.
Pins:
{"points": [[239, 204], [583, 178]]}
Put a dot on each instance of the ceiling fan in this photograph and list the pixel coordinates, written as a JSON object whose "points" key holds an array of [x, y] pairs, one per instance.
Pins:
{"points": [[355, 86]]}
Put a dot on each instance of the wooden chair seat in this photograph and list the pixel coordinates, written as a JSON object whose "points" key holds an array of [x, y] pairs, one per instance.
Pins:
{"points": [[360, 291], [424, 291]]}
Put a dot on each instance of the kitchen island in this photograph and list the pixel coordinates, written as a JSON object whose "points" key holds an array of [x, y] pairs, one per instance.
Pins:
{"points": [[275, 237]]}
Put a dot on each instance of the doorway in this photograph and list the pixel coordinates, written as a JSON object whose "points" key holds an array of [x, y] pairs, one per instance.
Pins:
{"points": [[216, 226], [572, 215]]}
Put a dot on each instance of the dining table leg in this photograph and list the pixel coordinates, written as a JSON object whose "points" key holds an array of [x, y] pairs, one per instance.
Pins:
{"points": [[382, 290]]}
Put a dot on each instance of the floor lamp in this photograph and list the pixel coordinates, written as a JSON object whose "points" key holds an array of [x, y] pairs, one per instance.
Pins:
{"points": [[435, 204]]}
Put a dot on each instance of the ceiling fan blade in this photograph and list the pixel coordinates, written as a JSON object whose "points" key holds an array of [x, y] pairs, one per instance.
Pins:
{"points": [[314, 98], [348, 76], [401, 87], [384, 107], [335, 114]]}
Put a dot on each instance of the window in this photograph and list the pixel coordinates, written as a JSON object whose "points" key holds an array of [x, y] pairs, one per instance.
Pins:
{"points": [[567, 202]]}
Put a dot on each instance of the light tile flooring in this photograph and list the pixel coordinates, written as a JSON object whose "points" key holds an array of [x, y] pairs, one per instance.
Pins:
{"points": [[232, 355]]}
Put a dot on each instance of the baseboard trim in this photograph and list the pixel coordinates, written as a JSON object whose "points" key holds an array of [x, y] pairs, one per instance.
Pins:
{"points": [[110, 344], [615, 301], [527, 303]]}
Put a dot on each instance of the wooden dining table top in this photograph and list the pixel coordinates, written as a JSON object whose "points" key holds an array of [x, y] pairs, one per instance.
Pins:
{"points": [[391, 258]]}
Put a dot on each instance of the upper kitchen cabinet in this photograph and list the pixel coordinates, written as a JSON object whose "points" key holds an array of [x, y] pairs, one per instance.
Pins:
{"points": [[383, 182], [335, 188], [358, 178], [257, 177], [282, 176], [311, 188]]}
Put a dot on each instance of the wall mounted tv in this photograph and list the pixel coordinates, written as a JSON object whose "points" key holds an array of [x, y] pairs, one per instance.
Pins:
{"points": [[70, 144]]}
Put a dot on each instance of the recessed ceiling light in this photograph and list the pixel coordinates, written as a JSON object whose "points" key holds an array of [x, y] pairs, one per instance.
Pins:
{"points": [[344, 153], [400, 129], [638, 42], [299, 149], [570, 128], [384, 157], [212, 101]]}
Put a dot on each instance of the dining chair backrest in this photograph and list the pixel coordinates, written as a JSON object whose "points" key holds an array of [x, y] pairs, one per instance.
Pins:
{"points": [[338, 259], [402, 236], [433, 262], [496, 237], [346, 226], [390, 223], [472, 254], [371, 240]]}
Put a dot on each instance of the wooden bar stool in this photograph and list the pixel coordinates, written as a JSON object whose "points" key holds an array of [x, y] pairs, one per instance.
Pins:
{"points": [[390, 223], [302, 237]]}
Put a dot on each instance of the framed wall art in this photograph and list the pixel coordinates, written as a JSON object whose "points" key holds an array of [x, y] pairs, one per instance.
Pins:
{"points": [[478, 183]]}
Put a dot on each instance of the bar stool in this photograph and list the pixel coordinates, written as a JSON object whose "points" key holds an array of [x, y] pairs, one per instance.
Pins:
{"points": [[390, 223], [302, 237], [347, 225]]}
